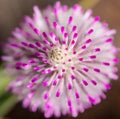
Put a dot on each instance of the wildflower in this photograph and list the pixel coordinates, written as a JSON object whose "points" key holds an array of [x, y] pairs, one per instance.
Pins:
{"points": [[63, 60]]}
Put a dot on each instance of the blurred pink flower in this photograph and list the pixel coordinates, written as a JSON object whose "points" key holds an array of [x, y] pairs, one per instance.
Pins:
{"points": [[63, 60]]}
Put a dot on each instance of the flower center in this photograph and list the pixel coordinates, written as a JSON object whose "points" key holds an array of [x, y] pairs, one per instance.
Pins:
{"points": [[57, 55]]}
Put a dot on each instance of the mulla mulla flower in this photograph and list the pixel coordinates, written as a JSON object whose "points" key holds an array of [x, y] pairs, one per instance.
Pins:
{"points": [[63, 60]]}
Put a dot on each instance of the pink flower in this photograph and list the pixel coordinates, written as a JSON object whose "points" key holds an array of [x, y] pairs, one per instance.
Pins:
{"points": [[63, 60]]}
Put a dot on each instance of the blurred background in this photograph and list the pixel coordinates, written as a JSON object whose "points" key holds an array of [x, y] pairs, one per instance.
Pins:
{"points": [[12, 12]]}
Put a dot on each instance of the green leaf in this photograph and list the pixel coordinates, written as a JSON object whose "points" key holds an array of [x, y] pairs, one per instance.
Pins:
{"points": [[86, 4], [7, 102], [4, 81]]}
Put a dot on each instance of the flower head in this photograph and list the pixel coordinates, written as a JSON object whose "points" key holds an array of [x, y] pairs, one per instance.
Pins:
{"points": [[63, 60]]}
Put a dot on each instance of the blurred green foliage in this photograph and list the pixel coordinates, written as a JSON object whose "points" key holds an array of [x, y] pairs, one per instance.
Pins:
{"points": [[86, 4], [7, 100]]}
